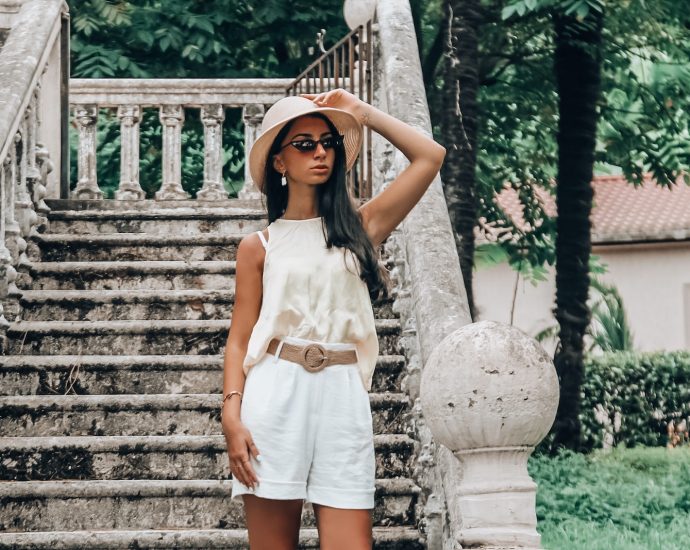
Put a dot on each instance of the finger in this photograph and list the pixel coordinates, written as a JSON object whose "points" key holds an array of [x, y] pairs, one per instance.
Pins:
{"points": [[243, 477]]}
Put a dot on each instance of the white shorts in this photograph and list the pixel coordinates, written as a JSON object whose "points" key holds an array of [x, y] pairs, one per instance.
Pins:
{"points": [[314, 432]]}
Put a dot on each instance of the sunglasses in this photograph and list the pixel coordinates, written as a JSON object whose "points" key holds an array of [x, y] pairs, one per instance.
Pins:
{"points": [[305, 145]]}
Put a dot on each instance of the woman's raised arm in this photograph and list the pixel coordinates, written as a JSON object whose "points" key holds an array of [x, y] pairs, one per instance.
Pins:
{"points": [[383, 212]]}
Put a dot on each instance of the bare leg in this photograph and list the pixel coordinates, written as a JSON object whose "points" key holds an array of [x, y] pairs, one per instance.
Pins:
{"points": [[272, 524], [343, 528]]}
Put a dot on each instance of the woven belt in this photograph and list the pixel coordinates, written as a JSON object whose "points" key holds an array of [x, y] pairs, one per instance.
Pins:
{"points": [[312, 357]]}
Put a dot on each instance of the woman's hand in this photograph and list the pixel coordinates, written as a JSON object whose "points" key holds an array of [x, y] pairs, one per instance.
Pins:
{"points": [[340, 99], [240, 445]]}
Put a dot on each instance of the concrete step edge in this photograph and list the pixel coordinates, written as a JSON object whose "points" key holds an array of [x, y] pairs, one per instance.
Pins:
{"points": [[198, 239], [133, 401], [20, 490], [184, 213], [135, 267], [167, 538], [127, 296], [153, 443], [132, 362], [146, 326]]}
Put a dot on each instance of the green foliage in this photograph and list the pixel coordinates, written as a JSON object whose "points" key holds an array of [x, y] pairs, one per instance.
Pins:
{"points": [[629, 398], [627, 499], [609, 328], [643, 124]]}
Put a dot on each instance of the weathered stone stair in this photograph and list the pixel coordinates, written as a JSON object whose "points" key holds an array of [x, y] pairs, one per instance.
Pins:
{"points": [[110, 432]]}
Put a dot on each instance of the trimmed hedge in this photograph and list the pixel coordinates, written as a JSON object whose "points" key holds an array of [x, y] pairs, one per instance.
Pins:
{"points": [[628, 398]]}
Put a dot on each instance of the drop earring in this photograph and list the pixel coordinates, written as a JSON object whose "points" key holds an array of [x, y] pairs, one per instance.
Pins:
{"points": [[283, 180]]}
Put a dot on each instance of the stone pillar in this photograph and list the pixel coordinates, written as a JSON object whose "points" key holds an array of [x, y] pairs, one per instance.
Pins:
{"points": [[11, 226], [489, 393], [5, 257], [9, 232], [172, 118], [213, 189], [87, 186], [252, 114], [129, 188]]}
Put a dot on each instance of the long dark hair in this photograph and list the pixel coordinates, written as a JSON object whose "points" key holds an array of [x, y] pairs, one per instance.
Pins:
{"points": [[343, 222]]}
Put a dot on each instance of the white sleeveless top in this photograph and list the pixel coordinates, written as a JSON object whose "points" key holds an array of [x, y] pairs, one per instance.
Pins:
{"points": [[308, 292]]}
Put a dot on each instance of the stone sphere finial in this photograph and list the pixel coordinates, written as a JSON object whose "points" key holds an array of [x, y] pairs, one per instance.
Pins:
{"points": [[489, 385], [358, 12], [489, 393]]}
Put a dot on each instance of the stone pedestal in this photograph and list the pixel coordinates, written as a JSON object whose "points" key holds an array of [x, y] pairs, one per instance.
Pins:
{"points": [[489, 393]]}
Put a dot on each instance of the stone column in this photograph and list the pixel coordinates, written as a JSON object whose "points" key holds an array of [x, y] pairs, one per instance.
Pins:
{"points": [[11, 226], [253, 115], [129, 188], [213, 189], [489, 393], [87, 186], [5, 257], [172, 117], [9, 230]]}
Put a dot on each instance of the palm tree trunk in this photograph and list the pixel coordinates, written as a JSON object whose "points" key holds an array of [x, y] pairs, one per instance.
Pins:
{"points": [[577, 66], [460, 128]]}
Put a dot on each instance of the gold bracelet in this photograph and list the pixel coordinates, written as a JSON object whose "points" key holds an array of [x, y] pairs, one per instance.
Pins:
{"points": [[229, 395]]}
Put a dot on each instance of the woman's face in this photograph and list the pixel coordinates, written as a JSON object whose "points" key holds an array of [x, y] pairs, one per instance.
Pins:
{"points": [[308, 167]]}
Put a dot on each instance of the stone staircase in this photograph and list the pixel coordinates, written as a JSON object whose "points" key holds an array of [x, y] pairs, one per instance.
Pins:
{"points": [[110, 432]]}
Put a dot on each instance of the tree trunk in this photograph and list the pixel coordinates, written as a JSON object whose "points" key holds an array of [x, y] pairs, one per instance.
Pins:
{"points": [[577, 66], [460, 128]]}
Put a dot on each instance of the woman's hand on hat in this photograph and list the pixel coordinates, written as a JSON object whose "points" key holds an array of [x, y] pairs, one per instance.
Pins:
{"points": [[338, 99]]}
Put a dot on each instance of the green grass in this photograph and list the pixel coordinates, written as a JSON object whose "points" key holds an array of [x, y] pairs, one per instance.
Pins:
{"points": [[624, 499]]}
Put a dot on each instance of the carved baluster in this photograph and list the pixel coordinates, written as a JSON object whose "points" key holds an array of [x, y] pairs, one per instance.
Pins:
{"points": [[11, 226], [8, 275], [252, 114], [34, 178], [172, 117], [22, 202], [87, 186], [213, 116], [5, 257], [129, 189]]}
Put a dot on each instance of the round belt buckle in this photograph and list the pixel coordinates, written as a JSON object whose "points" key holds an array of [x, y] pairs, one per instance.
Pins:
{"points": [[309, 363]]}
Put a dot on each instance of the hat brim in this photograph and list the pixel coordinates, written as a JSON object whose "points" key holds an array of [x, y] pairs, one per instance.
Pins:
{"points": [[348, 126]]}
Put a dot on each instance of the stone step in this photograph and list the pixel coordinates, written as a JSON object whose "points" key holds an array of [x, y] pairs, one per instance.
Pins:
{"points": [[133, 275], [151, 457], [191, 304], [171, 337], [149, 414], [146, 205], [134, 374], [60, 247], [385, 538], [160, 504], [179, 221]]}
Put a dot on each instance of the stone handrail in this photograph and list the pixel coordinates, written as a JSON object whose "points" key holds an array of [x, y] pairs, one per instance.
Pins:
{"points": [[171, 97], [484, 394], [29, 57]]}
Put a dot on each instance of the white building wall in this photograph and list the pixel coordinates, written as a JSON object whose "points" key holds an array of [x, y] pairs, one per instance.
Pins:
{"points": [[653, 280]]}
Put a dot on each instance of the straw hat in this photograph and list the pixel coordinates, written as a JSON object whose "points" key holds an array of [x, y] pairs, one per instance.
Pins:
{"points": [[284, 110]]}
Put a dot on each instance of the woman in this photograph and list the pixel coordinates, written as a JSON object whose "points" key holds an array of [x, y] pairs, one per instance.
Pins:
{"points": [[302, 346]]}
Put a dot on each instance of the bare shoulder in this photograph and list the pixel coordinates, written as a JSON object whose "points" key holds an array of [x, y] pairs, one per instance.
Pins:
{"points": [[250, 251]]}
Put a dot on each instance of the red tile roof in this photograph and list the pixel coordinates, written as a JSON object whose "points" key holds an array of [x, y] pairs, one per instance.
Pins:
{"points": [[622, 212]]}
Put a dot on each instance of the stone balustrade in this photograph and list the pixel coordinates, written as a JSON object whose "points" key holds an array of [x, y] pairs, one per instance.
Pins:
{"points": [[30, 69], [171, 97]]}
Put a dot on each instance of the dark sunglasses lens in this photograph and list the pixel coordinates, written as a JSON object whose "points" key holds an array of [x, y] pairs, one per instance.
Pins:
{"points": [[305, 145], [329, 142]]}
